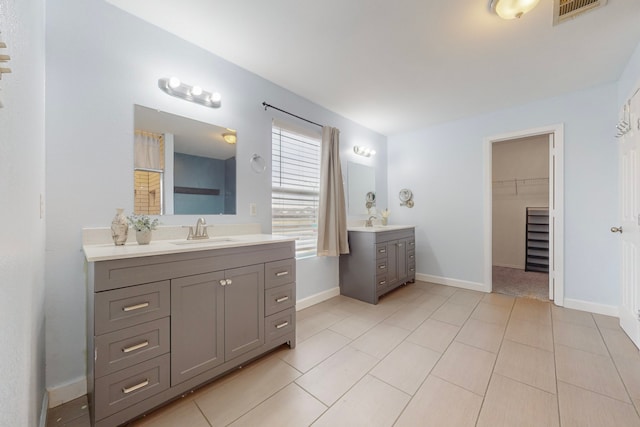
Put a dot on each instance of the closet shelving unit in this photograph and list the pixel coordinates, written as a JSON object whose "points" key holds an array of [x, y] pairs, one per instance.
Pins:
{"points": [[537, 251]]}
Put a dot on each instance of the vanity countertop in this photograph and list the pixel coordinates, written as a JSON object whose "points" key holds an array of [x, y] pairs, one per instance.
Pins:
{"points": [[379, 228], [109, 251]]}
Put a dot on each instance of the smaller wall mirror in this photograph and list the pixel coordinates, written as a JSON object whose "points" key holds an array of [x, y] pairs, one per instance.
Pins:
{"points": [[361, 188], [182, 166]]}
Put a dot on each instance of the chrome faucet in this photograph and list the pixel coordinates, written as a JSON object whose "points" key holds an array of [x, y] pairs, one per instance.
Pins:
{"points": [[369, 222], [201, 230]]}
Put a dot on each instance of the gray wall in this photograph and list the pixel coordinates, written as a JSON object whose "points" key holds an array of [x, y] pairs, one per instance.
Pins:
{"points": [[22, 235], [100, 62]]}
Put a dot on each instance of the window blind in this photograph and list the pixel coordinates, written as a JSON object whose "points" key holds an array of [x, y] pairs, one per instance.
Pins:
{"points": [[295, 190]]}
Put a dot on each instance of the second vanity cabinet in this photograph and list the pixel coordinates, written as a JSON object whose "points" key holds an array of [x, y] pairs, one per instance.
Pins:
{"points": [[159, 326], [378, 262]]}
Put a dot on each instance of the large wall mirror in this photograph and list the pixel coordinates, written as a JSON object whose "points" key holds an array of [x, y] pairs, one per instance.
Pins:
{"points": [[182, 166], [361, 188]]}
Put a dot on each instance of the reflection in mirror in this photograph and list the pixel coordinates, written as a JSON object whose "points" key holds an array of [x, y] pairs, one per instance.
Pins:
{"points": [[182, 166], [361, 181]]}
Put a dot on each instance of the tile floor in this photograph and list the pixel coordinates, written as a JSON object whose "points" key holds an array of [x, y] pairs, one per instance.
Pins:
{"points": [[426, 355]]}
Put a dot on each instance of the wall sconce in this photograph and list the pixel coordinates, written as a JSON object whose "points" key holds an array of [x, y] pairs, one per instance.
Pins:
{"points": [[174, 87], [230, 138], [363, 151], [510, 9]]}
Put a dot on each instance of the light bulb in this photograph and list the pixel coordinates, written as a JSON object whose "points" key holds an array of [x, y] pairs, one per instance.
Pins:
{"points": [[174, 82], [215, 97], [196, 90]]}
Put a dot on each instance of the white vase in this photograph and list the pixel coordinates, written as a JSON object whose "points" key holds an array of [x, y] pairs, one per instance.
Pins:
{"points": [[143, 237], [119, 228]]}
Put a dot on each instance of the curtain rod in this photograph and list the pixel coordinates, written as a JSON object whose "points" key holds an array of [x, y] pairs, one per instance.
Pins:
{"points": [[265, 105]]}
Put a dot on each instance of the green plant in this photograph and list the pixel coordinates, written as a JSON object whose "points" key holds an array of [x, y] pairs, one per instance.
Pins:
{"points": [[143, 222]]}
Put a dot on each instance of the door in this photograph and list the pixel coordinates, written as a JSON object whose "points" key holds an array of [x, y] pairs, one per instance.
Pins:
{"points": [[244, 310], [197, 325], [629, 159]]}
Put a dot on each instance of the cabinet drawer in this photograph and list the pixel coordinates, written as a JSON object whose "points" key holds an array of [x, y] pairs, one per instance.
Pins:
{"points": [[381, 251], [127, 347], [121, 308], [279, 324], [279, 273], [132, 385], [381, 266], [381, 282], [279, 298], [411, 257]]}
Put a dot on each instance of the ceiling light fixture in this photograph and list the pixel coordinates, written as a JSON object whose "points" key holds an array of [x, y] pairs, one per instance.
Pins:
{"points": [[363, 151], [174, 87], [510, 9], [231, 138]]}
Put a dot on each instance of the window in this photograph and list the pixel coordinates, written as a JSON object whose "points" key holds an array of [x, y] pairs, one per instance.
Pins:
{"points": [[295, 187]]}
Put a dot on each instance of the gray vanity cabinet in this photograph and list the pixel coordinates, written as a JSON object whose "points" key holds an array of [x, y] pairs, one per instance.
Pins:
{"points": [[160, 326], [378, 262]]}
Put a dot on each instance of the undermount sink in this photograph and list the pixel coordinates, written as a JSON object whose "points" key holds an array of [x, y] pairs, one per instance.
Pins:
{"points": [[210, 241]]}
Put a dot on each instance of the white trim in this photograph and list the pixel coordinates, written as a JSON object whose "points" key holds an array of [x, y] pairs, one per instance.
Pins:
{"points": [[464, 284], [317, 298], [558, 185], [592, 307], [43, 409], [67, 392]]}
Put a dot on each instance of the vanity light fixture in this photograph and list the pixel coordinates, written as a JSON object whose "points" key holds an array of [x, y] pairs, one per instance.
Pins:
{"points": [[174, 87], [363, 151], [510, 9], [231, 138]]}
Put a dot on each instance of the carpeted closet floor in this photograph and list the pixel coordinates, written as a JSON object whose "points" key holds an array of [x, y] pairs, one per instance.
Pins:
{"points": [[520, 283]]}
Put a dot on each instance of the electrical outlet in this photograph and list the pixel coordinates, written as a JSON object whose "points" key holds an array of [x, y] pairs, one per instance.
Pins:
{"points": [[253, 209]]}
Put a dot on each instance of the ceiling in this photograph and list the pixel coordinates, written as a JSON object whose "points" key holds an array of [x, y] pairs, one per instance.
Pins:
{"points": [[397, 66]]}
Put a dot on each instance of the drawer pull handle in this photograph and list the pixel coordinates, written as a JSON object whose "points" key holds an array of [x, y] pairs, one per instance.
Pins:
{"points": [[282, 299], [127, 390], [382, 267], [412, 269], [282, 273], [411, 256], [226, 282], [135, 307], [399, 245], [412, 243], [135, 347], [384, 282], [382, 251], [282, 325]]}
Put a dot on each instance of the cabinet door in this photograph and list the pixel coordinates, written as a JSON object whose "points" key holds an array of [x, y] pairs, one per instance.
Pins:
{"points": [[244, 310], [392, 262], [401, 258], [197, 325]]}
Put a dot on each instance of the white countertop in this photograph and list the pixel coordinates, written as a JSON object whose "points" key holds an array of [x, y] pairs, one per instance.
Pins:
{"points": [[109, 251], [380, 228]]}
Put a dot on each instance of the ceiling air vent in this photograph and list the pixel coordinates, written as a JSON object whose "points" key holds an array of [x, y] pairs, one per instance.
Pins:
{"points": [[567, 9]]}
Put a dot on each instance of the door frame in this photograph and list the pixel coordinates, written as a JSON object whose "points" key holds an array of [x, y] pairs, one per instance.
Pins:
{"points": [[556, 204]]}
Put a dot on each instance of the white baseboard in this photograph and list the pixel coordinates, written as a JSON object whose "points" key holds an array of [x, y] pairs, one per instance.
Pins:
{"points": [[576, 304], [464, 284], [317, 298], [67, 392], [43, 409]]}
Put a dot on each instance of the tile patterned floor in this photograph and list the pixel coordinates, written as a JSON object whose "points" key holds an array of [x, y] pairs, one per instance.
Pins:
{"points": [[426, 355]]}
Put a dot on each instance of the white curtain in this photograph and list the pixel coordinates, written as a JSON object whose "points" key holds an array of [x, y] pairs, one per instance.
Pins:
{"points": [[146, 151], [332, 212]]}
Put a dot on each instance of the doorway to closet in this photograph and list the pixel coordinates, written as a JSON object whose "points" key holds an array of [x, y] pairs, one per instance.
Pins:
{"points": [[520, 217], [524, 213]]}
